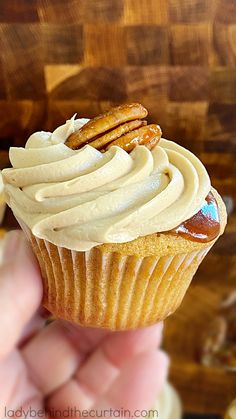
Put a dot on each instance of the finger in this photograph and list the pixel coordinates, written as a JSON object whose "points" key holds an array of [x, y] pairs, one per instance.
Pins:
{"points": [[82, 338], [20, 290], [34, 325], [34, 408], [30, 330], [123, 345], [58, 348], [103, 366], [139, 383], [100, 370], [15, 385]]}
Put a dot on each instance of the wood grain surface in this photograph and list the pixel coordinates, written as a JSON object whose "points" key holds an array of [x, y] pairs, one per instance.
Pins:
{"points": [[178, 58], [203, 389]]}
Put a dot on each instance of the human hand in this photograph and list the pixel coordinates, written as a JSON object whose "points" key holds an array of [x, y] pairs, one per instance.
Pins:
{"points": [[62, 365]]}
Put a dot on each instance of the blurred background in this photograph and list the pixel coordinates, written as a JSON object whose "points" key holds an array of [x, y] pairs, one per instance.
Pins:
{"points": [[178, 58]]}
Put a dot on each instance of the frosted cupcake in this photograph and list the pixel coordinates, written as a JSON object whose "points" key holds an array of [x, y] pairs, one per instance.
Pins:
{"points": [[119, 219]]}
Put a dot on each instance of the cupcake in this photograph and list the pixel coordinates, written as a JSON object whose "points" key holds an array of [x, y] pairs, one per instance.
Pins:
{"points": [[118, 217]]}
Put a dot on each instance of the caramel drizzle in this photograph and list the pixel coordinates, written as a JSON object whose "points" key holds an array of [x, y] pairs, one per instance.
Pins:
{"points": [[203, 226]]}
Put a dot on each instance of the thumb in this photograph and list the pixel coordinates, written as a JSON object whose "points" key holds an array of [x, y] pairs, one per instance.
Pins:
{"points": [[20, 289]]}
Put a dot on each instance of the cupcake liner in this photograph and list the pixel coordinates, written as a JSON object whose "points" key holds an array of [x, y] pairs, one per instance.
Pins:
{"points": [[111, 290]]}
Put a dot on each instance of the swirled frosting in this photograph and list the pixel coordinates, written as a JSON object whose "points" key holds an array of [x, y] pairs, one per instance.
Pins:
{"points": [[79, 199]]}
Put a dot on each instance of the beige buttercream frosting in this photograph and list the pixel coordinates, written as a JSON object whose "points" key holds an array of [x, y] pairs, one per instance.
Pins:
{"points": [[79, 199]]}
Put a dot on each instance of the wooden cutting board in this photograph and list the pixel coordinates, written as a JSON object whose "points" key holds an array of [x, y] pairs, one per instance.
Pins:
{"points": [[203, 389]]}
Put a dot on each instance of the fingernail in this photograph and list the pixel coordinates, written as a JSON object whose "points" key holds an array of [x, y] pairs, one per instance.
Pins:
{"points": [[11, 245]]}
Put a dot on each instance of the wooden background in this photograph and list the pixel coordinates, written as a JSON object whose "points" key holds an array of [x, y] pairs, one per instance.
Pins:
{"points": [[178, 58]]}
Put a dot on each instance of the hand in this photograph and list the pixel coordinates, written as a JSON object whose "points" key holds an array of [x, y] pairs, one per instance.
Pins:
{"points": [[63, 365]]}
